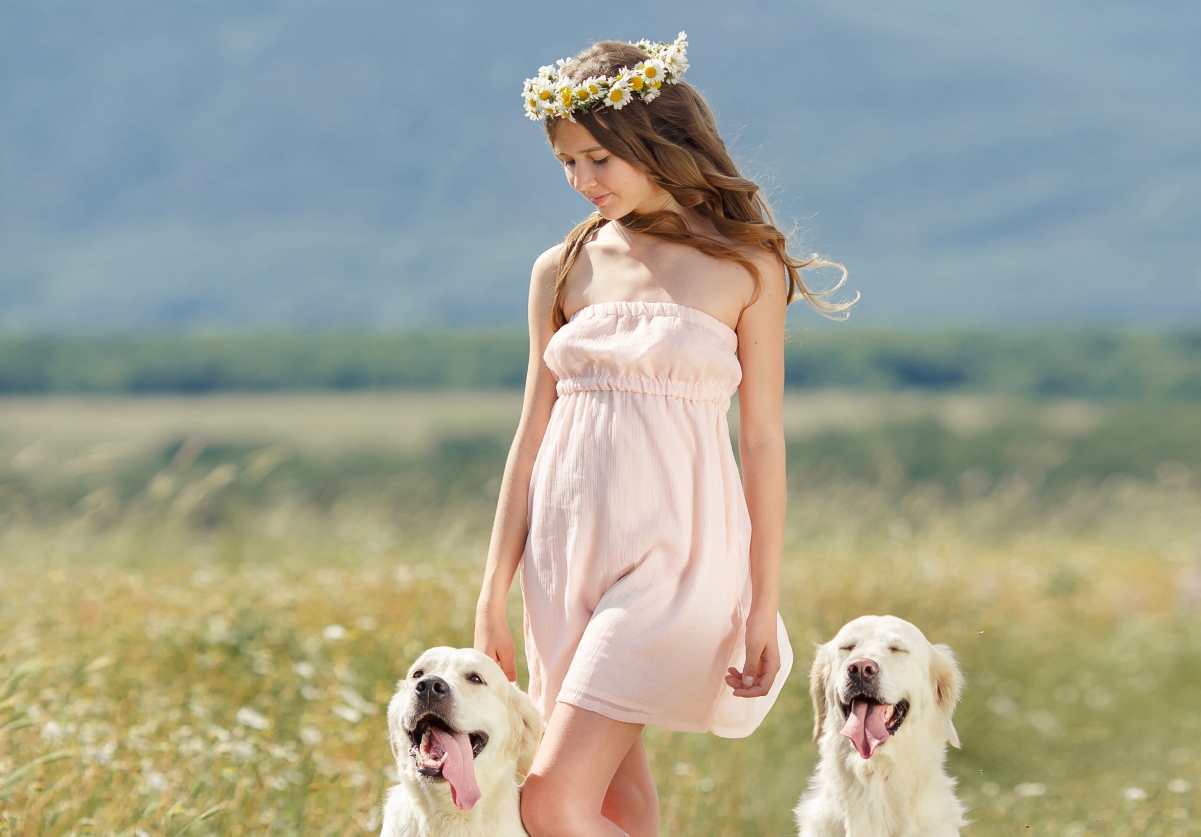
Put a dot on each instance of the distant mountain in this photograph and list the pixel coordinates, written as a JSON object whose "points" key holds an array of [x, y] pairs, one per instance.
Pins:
{"points": [[365, 163]]}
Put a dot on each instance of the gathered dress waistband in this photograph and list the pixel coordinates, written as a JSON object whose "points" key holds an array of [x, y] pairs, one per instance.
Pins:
{"points": [[688, 390]]}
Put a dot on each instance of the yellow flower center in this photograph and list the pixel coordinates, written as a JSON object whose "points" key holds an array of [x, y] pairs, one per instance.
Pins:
{"points": [[615, 95], [566, 96], [544, 95], [650, 73], [636, 82]]}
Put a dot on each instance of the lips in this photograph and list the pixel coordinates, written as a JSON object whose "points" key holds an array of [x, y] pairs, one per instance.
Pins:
{"points": [[600, 199]]}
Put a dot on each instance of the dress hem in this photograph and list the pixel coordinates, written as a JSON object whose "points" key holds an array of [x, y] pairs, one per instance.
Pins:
{"points": [[637, 716]]}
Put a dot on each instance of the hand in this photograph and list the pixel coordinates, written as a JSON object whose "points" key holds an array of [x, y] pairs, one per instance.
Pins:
{"points": [[492, 637], [762, 657]]}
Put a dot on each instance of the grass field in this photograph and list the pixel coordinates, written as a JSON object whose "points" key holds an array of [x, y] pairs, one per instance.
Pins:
{"points": [[207, 602]]}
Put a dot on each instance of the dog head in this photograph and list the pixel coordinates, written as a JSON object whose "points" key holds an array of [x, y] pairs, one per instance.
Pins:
{"points": [[881, 678], [456, 721]]}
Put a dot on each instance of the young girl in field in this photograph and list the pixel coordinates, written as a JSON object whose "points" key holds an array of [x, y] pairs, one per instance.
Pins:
{"points": [[650, 572]]}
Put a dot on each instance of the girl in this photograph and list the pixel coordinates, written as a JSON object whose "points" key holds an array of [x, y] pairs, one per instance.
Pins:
{"points": [[650, 572]]}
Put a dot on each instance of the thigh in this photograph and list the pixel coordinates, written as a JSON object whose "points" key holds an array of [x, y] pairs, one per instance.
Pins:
{"points": [[580, 754]]}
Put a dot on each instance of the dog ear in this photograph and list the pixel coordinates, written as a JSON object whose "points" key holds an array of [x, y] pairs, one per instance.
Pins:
{"points": [[395, 734], [526, 726], [819, 684], [948, 683]]}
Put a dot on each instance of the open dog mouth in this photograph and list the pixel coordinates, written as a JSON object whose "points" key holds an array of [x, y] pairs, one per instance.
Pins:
{"points": [[870, 722], [442, 752], [429, 748]]}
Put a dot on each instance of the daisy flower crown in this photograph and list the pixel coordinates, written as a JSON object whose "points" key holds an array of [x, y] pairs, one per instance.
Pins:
{"points": [[548, 94]]}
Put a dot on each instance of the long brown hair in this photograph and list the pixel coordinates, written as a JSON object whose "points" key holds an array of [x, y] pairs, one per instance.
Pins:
{"points": [[674, 139]]}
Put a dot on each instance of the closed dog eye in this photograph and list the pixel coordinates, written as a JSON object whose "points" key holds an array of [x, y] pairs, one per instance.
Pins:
{"points": [[896, 649], [850, 647]]}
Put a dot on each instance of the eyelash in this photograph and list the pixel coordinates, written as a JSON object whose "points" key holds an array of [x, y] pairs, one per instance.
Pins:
{"points": [[599, 162]]}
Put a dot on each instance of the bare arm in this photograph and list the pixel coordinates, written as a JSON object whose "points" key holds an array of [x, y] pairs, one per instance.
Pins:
{"points": [[510, 528], [761, 449]]}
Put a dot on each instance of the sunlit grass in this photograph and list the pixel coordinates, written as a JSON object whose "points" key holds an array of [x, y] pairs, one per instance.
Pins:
{"points": [[203, 655]]}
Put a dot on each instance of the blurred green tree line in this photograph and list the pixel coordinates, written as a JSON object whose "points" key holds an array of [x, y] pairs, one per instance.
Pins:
{"points": [[1047, 364]]}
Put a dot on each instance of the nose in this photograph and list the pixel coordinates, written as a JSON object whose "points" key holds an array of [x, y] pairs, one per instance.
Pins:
{"points": [[863, 669], [582, 178], [432, 688]]}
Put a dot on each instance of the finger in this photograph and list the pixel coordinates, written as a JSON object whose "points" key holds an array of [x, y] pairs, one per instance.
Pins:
{"points": [[754, 691], [750, 671], [508, 664]]}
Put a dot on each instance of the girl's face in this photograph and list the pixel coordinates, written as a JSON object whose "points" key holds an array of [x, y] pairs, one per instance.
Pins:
{"points": [[613, 186]]}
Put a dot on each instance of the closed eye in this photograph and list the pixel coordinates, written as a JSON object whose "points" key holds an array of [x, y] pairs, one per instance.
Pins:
{"points": [[475, 678], [599, 162], [850, 647], [896, 649]]}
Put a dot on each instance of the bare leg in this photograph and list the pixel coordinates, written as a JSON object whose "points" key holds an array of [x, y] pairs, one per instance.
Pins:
{"points": [[580, 756], [632, 803]]}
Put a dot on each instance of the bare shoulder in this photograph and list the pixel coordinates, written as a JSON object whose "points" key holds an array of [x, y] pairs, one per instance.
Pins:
{"points": [[546, 268], [542, 291], [773, 285], [547, 264]]}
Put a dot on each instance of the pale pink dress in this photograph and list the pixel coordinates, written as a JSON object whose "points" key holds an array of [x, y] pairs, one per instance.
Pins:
{"points": [[635, 573]]}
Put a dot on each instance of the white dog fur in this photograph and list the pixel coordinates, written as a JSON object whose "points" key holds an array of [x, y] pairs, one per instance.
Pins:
{"points": [[884, 668], [464, 692]]}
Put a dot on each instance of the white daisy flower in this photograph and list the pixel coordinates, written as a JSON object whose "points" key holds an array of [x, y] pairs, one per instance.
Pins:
{"points": [[652, 71], [675, 62], [539, 92], [619, 92], [596, 87], [675, 57]]}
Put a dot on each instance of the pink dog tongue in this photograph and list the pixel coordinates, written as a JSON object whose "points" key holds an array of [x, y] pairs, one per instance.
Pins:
{"points": [[459, 768], [865, 727]]}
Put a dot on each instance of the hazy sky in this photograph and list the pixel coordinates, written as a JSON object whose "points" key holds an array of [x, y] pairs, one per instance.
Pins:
{"points": [[366, 162]]}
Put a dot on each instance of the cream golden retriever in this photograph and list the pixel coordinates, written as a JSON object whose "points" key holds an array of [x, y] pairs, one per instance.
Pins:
{"points": [[463, 737], [882, 701]]}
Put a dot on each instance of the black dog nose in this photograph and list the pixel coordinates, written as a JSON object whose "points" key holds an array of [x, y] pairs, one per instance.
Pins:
{"points": [[432, 688], [863, 669]]}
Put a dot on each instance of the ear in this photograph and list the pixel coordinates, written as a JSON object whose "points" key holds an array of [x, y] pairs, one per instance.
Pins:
{"points": [[947, 682], [395, 734], [525, 724], [819, 684]]}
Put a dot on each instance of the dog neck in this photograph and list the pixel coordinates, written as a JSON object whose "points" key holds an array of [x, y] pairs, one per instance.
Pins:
{"points": [[881, 793], [430, 810]]}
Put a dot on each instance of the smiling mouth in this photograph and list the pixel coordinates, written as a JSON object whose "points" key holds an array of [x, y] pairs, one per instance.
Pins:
{"points": [[893, 714], [429, 754]]}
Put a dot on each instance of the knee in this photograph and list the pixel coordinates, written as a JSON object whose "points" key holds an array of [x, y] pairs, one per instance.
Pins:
{"points": [[547, 811], [633, 806]]}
